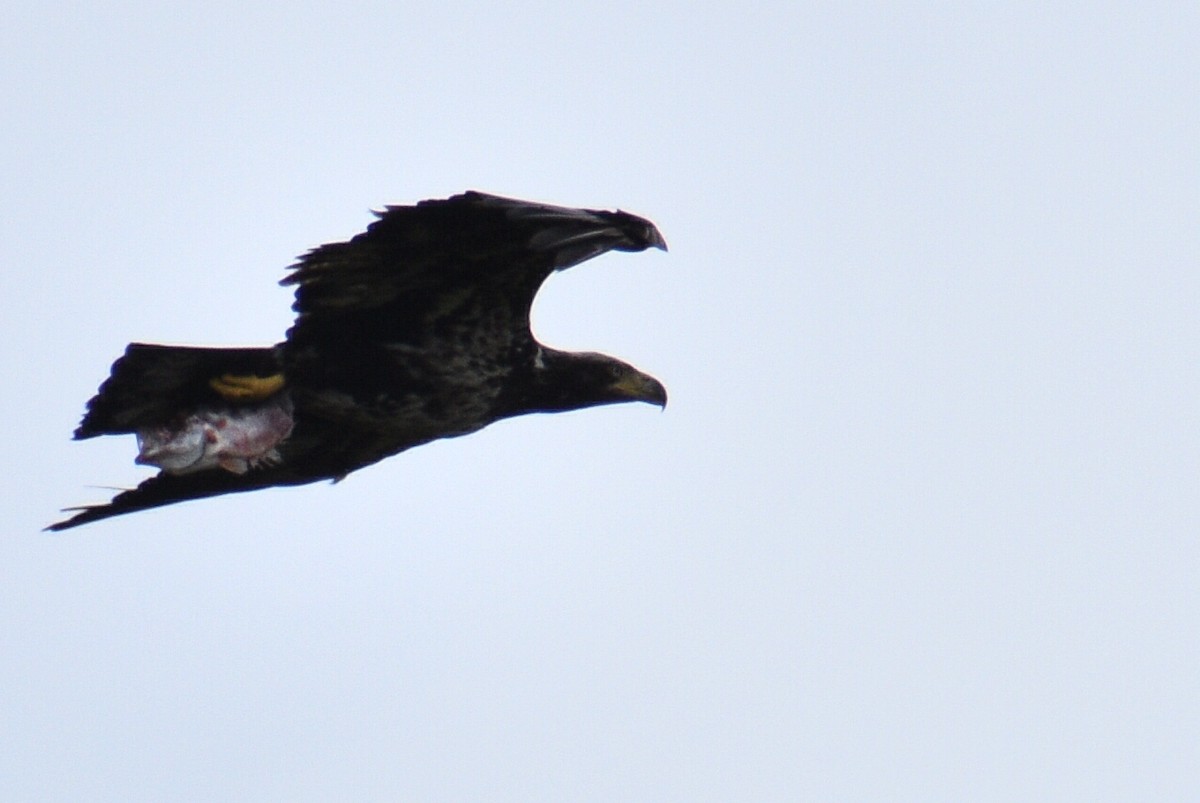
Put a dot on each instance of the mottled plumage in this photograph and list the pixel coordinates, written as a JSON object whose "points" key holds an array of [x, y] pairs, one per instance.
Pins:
{"points": [[416, 329]]}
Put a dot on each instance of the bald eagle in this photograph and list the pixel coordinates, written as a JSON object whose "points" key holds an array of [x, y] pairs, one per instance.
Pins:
{"points": [[416, 329]]}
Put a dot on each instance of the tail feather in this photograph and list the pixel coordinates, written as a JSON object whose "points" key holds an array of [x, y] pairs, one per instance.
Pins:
{"points": [[150, 384]]}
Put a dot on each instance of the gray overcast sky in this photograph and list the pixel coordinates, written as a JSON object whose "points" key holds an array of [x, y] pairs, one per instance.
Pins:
{"points": [[919, 523]]}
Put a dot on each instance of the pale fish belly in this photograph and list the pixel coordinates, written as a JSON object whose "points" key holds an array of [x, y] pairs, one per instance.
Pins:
{"points": [[234, 440]]}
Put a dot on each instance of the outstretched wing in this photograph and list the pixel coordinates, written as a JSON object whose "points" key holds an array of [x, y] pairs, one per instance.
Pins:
{"points": [[417, 264], [316, 450], [166, 489]]}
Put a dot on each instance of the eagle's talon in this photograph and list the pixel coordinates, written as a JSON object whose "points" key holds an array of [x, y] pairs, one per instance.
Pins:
{"points": [[246, 388]]}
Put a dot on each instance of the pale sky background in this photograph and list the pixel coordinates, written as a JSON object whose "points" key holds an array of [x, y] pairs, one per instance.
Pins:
{"points": [[920, 522]]}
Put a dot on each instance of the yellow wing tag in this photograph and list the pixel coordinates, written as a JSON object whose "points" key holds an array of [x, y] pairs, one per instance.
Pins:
{"points": [[246, 388]]}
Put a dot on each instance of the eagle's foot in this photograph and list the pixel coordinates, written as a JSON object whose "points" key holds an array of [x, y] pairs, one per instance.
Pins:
{"points": [[246, 388]]}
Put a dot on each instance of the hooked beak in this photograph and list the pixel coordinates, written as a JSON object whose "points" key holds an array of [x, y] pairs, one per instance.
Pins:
{"points": [[641, 387]]}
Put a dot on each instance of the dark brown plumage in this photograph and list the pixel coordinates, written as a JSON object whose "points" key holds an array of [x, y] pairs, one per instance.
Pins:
{"points": [[414, 330]]}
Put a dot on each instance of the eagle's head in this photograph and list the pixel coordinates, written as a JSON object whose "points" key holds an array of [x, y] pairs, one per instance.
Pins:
{"points": [[563, 380]]}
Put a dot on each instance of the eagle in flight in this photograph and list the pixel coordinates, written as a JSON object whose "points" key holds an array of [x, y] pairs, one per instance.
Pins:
{"points": [[416, 329]]}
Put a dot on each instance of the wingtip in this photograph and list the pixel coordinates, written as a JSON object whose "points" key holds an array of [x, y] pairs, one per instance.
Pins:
{"points": [[81, 514], [654, 239], [641, 233]]}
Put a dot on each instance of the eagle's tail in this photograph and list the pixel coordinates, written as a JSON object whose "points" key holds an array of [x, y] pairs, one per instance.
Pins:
{"points": [[150, 384]]}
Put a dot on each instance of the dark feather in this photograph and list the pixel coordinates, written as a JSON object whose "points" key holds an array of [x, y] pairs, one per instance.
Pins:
{"points": [[165, 489]]}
